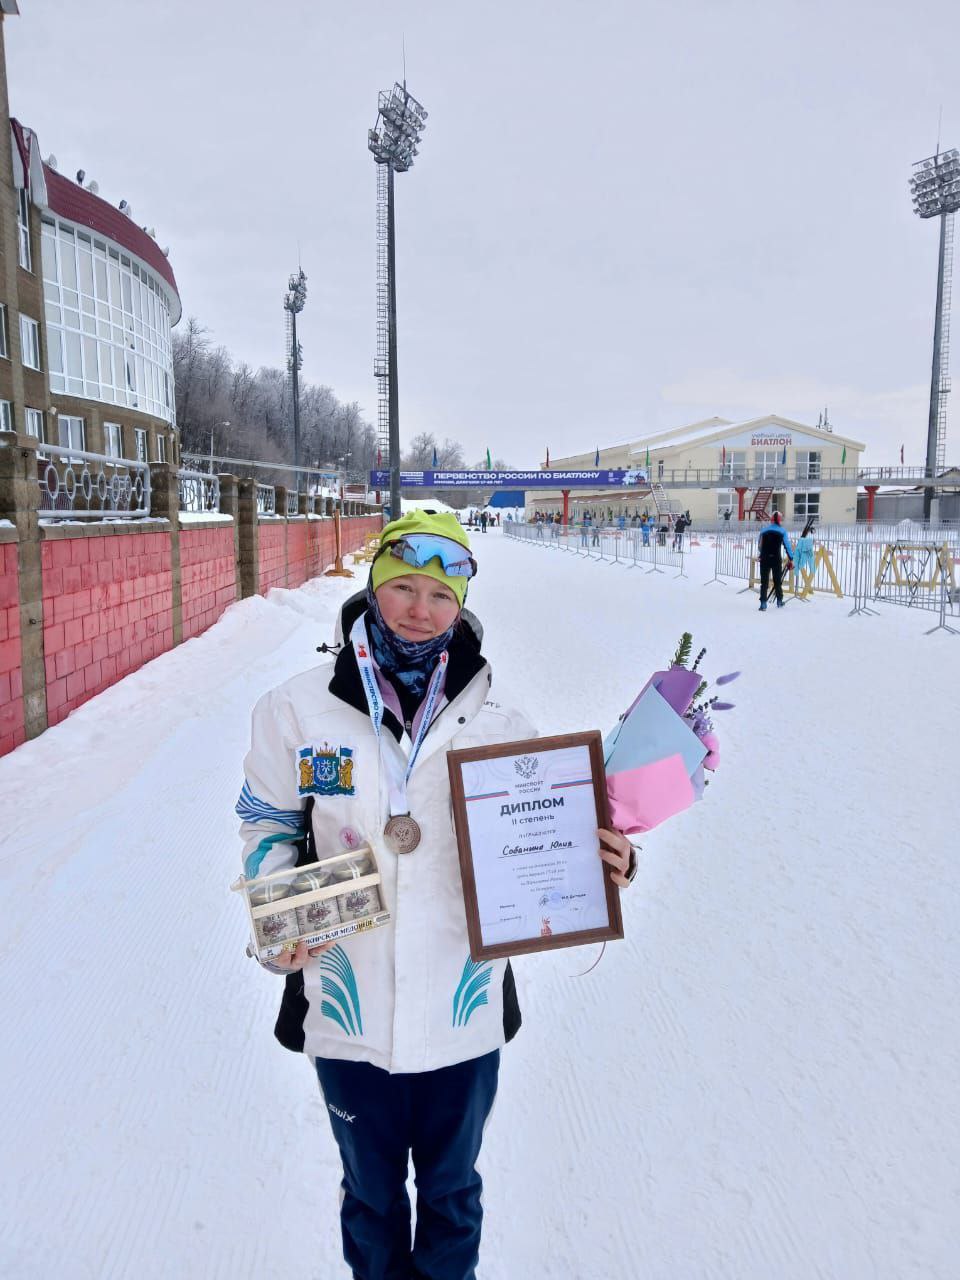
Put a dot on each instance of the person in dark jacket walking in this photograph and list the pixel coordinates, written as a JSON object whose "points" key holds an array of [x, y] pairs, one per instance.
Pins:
{"points": [[772, 542], [680, 525]]}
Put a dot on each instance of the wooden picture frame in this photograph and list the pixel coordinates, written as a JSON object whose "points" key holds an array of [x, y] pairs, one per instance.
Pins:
{"points": [[522, 793]]}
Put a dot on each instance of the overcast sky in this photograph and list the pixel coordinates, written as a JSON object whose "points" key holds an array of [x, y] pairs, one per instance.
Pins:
{"points": [[624, 216]]}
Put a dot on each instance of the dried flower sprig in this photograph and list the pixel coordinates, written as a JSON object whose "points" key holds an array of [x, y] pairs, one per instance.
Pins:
{"points": [[701, 709]]}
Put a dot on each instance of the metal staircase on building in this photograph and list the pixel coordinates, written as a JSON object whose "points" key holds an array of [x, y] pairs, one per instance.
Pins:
{"points": [[665, 506], [761, 502]]}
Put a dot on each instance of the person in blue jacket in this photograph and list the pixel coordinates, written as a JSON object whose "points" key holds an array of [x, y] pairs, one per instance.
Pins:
{"points": [[772, 542], [805, 558]]}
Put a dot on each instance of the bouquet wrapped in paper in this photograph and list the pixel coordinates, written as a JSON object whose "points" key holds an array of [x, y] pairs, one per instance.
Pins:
{"points": [[656, 756]]}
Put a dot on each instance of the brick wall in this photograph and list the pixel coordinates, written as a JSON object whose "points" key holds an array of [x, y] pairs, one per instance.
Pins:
{"points": [[323, 544], [273, 571], [299, 567], [208, 581], [355, 531], [11, 690], [106, 597], [309, 549], [107, 601]]}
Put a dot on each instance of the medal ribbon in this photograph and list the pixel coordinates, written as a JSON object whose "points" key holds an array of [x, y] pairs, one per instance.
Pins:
{"points": [[375, 705]]}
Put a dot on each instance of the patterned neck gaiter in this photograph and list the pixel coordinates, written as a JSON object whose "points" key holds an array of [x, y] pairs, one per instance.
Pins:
{"points": [[408, 662]]}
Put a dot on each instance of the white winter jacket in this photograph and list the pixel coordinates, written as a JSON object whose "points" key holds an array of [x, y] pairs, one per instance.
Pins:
{"points": [[405, 997]]}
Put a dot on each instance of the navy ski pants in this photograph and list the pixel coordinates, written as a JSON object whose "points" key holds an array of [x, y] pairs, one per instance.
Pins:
{"points": [[379, 1120]]}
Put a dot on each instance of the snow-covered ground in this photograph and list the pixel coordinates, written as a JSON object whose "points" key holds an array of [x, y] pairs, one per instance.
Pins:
{"points": [[760, 1083]]}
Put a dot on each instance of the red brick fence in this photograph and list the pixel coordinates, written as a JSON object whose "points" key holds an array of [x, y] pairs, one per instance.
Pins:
{"points": [[82, 604]]}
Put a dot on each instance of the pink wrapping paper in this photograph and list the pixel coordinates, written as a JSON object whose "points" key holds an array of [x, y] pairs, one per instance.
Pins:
{"points": [[641, 799]]}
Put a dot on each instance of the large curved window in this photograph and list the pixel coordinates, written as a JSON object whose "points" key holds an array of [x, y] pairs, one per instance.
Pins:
{"points": [[108, 323]]}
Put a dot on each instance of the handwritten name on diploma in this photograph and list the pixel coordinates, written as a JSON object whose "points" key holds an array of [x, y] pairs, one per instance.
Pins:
{"points": [[511, 850]]}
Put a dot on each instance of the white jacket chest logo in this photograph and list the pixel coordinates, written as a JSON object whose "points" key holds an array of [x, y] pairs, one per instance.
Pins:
{"points": [[325, 770]]}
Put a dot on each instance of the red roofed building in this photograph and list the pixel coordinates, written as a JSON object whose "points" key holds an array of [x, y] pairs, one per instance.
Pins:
{"points": [[87, 303]]}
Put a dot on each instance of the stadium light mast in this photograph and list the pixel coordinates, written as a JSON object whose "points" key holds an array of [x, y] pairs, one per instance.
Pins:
{"points": [[294, 300], [935, 188], [394, 142]]}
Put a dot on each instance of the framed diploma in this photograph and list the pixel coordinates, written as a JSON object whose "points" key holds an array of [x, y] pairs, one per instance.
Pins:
{"points": [[526, 815]]}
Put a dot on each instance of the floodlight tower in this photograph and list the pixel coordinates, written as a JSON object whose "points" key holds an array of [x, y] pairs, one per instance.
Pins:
{"points": [[294, 300], [393, 142], [935, 187]]}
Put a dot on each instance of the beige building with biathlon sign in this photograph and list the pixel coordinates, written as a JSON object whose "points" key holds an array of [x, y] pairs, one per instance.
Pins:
{"points": [[710, 468]]}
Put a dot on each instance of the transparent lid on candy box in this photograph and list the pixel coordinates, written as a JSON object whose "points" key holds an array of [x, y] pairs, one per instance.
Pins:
{"points": [[332, 898]]}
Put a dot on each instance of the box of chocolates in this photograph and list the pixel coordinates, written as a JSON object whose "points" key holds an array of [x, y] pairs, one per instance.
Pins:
{"points": [[317, 903]]}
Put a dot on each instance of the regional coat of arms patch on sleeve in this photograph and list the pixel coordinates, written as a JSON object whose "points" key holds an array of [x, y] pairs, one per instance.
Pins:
{"points": [[325, 771]]}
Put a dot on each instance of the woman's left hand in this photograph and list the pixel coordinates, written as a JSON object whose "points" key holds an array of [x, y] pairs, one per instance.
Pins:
{"points": [[616, 849]]}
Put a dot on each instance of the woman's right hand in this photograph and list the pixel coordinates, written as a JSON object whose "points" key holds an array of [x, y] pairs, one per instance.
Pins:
{"points": [[293, 961]]}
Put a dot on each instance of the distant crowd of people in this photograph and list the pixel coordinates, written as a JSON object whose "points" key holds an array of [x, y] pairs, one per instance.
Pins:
{"points": [[590, 523], [479, 519]]}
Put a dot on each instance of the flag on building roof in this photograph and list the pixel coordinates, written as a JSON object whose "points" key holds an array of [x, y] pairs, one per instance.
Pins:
{"points": [[901, 455], [843, 458], [648, 458], [723, 456], [489, 464], [548, 457], [783, 460], [436, 461], [596, 457]]}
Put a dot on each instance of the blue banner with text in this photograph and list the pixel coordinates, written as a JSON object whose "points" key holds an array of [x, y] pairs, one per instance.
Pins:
{"points": [[587, 479]]}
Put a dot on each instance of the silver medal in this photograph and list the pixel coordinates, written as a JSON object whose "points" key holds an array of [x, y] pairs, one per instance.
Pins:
{"points": [[402, 833]]}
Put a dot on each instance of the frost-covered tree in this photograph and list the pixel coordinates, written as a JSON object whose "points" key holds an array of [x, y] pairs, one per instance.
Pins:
{"points": [[226, 407]]}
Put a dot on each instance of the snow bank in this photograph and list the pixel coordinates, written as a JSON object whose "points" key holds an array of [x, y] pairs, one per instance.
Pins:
{"points": [[417, 504]]}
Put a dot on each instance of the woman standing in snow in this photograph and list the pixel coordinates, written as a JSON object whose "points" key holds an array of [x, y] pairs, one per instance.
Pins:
{"points": [[403, 1028]]}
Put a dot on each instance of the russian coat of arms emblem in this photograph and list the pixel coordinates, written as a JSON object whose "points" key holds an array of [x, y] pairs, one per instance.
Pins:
{"points": [[526, 766]]}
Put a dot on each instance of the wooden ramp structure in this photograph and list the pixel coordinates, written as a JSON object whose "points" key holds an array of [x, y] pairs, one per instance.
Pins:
{"points": [[916, 566], [803, 583]]}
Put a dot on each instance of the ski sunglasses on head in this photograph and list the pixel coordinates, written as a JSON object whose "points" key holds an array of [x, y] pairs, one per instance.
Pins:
{"points": [[418, 549]]}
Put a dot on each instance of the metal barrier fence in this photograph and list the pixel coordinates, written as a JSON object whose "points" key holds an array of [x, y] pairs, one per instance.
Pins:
{"points": [[866, 563], [700, 530], [199, 491], [266, 500], [300, 479], [75, 484], [602, 543]]}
